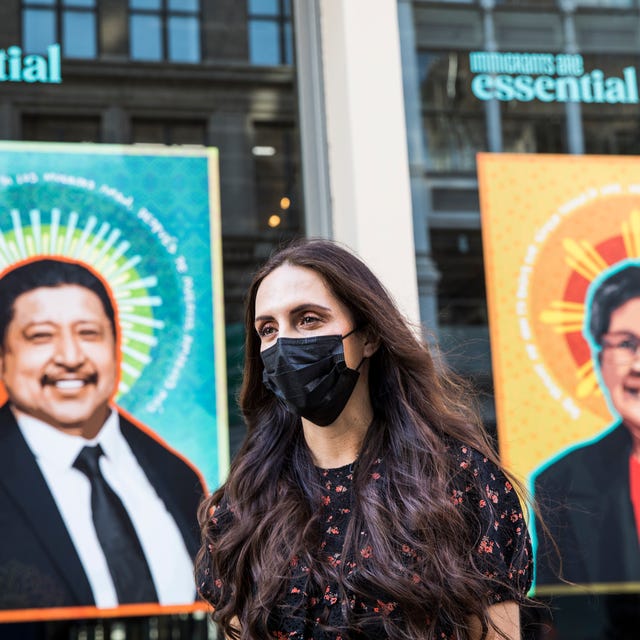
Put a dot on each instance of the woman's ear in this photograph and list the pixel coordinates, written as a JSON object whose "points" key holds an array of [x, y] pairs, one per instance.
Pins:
{"points": [[371, 343]]}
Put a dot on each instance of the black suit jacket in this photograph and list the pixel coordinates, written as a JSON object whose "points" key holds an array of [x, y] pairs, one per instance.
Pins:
{"points": [[39, 566], [584, 498]]}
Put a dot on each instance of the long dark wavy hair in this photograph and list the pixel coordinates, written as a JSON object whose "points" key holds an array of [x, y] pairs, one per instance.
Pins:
{"points": [[272, 494]]}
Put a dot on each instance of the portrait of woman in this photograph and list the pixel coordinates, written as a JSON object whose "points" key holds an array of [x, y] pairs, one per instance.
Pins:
{"points": [[366, 500]]}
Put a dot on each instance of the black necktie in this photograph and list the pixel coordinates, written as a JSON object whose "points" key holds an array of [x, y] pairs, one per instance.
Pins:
{"points": [[125, 558]]}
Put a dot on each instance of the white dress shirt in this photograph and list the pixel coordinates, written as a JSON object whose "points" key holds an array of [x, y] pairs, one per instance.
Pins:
{"points": [[167, 556]]}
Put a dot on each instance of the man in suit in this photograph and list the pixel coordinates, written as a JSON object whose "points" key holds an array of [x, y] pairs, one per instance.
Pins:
{"points": [[94, 509], [590, 496]]}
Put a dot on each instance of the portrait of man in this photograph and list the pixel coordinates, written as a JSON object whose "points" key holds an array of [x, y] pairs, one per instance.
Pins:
{"points": [[94, 509], [590, 496]]}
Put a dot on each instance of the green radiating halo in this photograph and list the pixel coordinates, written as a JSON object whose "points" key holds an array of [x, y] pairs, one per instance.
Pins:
{"points": [[101, 246]]}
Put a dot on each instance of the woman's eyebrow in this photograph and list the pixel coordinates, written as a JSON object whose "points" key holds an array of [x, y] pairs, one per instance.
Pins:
{"points": [[296, 309]]}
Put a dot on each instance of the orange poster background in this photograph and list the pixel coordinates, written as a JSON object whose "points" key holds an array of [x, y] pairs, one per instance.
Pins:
{"points": [[550, 224]]}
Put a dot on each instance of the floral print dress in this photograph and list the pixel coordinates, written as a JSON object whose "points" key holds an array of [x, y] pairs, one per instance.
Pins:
{"points": [[503, 552]]}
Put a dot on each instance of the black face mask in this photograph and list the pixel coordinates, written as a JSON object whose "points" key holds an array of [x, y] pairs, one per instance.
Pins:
{"points": [[310, 376]]}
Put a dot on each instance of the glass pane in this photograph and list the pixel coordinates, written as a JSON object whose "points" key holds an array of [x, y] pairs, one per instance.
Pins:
{"points": [[61, 128], [453, 118], [145, 4], [530, 3], [183, 5], [609, 4], [184, 39], [618, 136], [79, 35], [288, 44], [535, 135], [39, 30], [264, 47], [148, 131], [264, 7], [287, 8], [79, 3], [26, 3], [277, 177], [146, 37], [461, 289]]}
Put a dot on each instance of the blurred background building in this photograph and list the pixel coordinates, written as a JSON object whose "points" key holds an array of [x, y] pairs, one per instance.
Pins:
{"points": [[309, 102]]}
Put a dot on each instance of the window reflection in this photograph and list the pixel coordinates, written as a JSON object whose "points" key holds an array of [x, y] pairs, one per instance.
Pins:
{"points": [[146, 37], [72, 23], [277, 171], [270, 39], [183, 5], [183, 39], [72, 128], [168, 131], [145, 4], [265, 7], [39, 30], [611, 128], [264, 43], [461, 290], [78, 3], [454, 120], [74, 46], [165, 30]]}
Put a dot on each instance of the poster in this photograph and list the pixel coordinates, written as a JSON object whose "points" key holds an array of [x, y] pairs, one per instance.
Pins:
{"points": [[561, 239], [145, 222]]}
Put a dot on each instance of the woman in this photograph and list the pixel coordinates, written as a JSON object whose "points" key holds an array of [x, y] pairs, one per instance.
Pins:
{"points": [[365, 501]]}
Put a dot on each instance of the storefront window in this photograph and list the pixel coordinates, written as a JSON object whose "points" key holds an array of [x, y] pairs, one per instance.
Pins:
{"points": [[72, 23]]}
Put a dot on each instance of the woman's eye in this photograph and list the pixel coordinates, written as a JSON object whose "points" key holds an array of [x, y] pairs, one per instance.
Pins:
{"points": [[265, 331], [309, 319]]}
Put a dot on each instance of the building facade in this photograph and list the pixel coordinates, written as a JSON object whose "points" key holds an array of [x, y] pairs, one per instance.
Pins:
{"points": [[227, 73]]}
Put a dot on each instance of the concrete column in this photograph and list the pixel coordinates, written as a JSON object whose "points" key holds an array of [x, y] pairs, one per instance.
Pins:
{"points": [[573, 110], [313, 129], [492, 107], [367, 141]]}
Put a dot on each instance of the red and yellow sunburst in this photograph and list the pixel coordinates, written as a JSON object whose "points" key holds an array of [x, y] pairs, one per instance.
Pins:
{"points": [[566, 316]]}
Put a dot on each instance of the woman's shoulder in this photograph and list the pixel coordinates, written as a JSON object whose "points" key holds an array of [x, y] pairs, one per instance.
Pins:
{"points": [[481, 485], [494, 511], [470, 462]]}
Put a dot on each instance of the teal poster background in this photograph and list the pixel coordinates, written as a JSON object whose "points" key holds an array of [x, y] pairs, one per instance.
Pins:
{"points": [[147, 220]]}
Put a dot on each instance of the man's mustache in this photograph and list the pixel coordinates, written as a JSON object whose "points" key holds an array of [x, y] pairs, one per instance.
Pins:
{"points": [[87, 378]]}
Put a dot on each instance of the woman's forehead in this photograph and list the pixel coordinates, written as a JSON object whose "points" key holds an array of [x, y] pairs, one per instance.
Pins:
{"points": [[289, 286]]}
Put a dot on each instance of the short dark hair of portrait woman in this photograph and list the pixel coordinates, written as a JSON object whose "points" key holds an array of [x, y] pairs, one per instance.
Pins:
{"points": [[272, 498], [613, 292]]}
